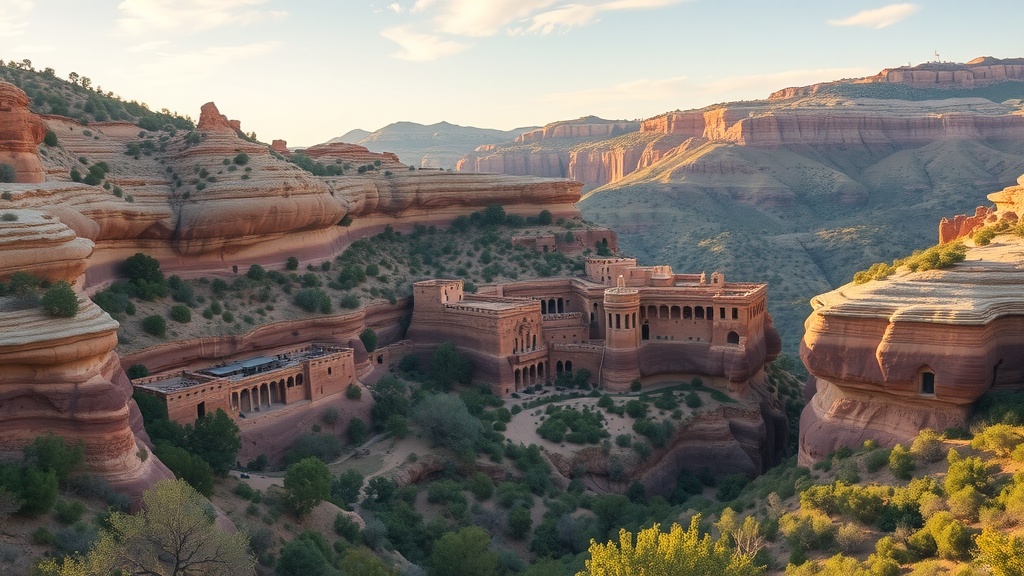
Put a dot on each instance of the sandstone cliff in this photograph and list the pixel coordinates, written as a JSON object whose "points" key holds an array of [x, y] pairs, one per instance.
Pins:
{"points": [[981, 71], [21, 132], [61, 375], [891, 357]]}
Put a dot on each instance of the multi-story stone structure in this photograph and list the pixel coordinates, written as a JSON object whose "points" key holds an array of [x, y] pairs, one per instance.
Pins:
{"points": [[620, 321], [253, 385]]}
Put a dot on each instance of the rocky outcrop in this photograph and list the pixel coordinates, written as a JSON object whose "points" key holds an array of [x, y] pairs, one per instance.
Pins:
{"points": [[353, 154], [588, 127], [913, 351], [62, 376], [280, 146], [21, 132], [1009, 205], [211, 120], [31, 234], [978, 72]]}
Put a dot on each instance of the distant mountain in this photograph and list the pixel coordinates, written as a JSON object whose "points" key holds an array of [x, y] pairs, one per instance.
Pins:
{"points": [[799, 190], [428, 146]]}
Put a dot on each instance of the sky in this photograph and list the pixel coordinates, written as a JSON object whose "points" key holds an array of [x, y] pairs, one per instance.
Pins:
{"points": [[310, 70]]}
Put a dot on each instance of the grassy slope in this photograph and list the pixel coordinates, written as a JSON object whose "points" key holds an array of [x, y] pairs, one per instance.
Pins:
{"points": [[705, 220]]}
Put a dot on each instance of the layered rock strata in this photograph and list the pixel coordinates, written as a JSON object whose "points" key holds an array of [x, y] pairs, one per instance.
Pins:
{"points": [[891, 357], [21, 132], [62, 376], [1009, 205]]}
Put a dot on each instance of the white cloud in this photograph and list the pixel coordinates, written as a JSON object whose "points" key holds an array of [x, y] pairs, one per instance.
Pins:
{"points": [[174, 68], [144, 16], [395, 7], [420, 47], [879, 17], [14, 17], [480, 18]]}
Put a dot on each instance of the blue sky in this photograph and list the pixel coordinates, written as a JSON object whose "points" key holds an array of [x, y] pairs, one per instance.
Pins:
{"points": [[310, 70]]}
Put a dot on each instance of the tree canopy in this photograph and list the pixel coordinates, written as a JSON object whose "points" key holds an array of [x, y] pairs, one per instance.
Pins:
{"points": [[677, 553], [307, 483]]}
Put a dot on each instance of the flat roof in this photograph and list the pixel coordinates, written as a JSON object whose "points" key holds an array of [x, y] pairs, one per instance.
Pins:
{"points": [[239, 365]]}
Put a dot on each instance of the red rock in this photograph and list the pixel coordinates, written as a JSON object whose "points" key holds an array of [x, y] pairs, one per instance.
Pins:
{"points": [[211, 120], [354, 154], [280, 146], [21, 132]]}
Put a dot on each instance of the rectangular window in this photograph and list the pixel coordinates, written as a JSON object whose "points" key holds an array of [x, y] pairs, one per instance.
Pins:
{"points": [[735, 313], [927, 383], [721, 313]]}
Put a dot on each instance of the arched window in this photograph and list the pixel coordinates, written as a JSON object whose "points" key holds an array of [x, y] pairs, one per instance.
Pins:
{"points": [[663, 311], [675, 313], [699, 312], [687, 312], [568, 366], [733, 338], [926, 379], [558, 367], [561, 305]]}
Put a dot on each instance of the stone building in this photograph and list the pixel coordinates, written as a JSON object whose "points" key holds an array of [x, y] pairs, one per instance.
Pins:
{"points": [[253, 385], [620, 321]]}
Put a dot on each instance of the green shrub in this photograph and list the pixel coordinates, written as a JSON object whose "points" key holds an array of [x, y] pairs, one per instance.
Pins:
{"points": [[353, 392], [181, 313], [350, 301], [256, 272], [634, 386], [983, 236], [241, 159], [369, 339], [901, 462], [313, 300], [155, 325], [292, 263], [8, 174], [50, 139], [357, 431], [137, 371], [9, 217], [927, 446], [60, 300]]}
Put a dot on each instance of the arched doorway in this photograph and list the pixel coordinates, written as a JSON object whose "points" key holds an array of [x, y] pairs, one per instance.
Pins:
{"points": [[733, 338]]}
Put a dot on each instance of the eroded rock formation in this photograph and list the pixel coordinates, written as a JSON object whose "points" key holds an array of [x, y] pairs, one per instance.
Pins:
{"points": [[62, 376], [980, 71], [891, 357], [353, 154], [1009, 204], [21, 132]]}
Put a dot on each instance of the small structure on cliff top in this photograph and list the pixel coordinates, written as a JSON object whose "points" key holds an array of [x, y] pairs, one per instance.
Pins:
{"points": [[253, 385], [620, 321]]}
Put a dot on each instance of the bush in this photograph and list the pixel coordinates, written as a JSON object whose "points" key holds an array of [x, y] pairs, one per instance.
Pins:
{"points": [[313, 300], [292, 263], [353, 392], [346, 486], [357, 431], [351, 302], [7, 173], [693, 400], [927, 446], [60, 300], [256, 272], [901, 462], [481, 486], [9, 217], [241, 159], [155, 325], [369, 338], [137, 371], [634, 386], [50, 139], [181, 313]]}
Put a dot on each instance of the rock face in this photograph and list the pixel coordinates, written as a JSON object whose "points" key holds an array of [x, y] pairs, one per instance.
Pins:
{"points": [[856, 116], [211, 120], [981, 71], [61, 375], [21, 132], [891, 357], [353, 154], [33, 233], [1009, 205]]}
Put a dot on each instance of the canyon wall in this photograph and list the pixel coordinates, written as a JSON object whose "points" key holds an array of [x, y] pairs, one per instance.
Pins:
{"points": [[21, 132], [890, 357], [974, 73], [62, 375]]}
